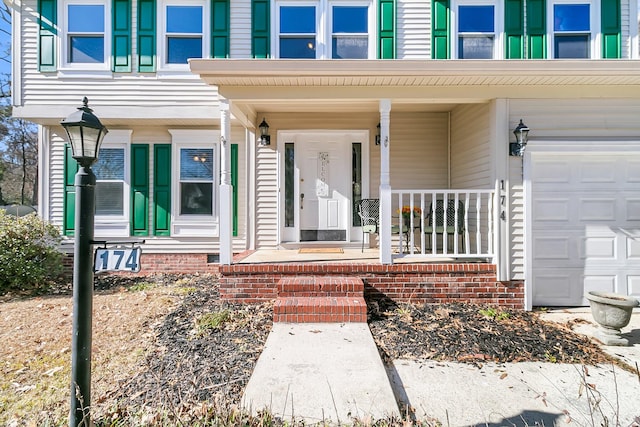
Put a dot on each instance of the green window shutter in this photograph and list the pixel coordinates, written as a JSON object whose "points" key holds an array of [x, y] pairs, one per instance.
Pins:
{"points": [[610, 27], [440, 29], [139, 220], [386, 29], [147, 36], [220, 28], [514, 29], [121, 45], [234, 183], [47, 10], [69, 202], [536, 29], [260, 29], [162, 189]]}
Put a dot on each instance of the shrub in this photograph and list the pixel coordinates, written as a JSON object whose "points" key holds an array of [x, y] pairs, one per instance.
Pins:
{"points": [[29, 256]]}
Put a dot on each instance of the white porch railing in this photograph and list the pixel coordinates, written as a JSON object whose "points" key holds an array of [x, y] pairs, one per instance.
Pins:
{"points": [[443, 223]]}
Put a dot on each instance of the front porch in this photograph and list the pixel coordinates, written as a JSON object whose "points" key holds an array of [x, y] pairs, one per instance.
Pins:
{"points": [[254, 277]]}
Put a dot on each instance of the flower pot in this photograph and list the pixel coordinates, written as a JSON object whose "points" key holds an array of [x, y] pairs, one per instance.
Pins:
{"points": [[612, 312]]}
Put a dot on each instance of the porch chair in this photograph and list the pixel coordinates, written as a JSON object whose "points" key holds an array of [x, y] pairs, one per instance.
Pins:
{"points": [[369, 213], [452, 226]]}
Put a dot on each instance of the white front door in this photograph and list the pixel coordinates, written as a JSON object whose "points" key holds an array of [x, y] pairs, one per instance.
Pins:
{"points": [[318, 191], [324, 188]]}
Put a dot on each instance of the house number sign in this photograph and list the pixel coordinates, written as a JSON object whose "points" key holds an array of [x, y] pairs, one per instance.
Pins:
{"points": [[117, 259], [322, 183]]}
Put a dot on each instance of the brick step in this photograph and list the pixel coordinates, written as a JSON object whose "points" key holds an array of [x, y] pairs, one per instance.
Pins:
{"points": [[306, 309], [319, 286]]}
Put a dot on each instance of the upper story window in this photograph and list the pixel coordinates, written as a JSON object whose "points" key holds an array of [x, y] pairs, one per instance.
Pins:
{"points": [[297, 35], [86, 44], [337, 29], [183, 25], [573, 30], [349, 29], [478, 28]]}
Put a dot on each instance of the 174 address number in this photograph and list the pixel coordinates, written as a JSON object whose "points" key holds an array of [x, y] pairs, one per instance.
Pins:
{"points": [[117, 259]]}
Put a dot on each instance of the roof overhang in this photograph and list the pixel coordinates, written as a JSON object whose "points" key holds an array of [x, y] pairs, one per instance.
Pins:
{"points": [[270, 85], [384, 74]]}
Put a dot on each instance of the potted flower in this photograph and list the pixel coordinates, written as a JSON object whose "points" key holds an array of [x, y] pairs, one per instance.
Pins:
{"points": [[407, 213]]}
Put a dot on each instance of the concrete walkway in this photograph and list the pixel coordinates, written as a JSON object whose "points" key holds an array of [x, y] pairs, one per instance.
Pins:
{"points": [[321, 372], [332, 372]]}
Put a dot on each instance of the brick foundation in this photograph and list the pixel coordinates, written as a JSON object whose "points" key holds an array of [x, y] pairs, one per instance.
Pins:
{"points": [[416, 283]]}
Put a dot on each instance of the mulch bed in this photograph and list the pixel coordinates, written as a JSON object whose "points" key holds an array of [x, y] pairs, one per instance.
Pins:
{"points": [[193, 361], [190, 364], [474, 334]]}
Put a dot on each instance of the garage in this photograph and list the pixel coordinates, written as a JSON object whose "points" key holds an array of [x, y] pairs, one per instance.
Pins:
{"points": [[583, 219]]}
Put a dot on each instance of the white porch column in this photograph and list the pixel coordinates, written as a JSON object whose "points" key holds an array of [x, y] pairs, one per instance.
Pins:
{"points": [[385, 184], [226, 189]]}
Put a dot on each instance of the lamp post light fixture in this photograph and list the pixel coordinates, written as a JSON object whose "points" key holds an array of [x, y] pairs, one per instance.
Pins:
{"points": [[265, 138], [85, 134], [522, 135]]}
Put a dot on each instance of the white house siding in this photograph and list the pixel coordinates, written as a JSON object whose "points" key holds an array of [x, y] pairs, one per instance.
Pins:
{"points": [[121, 90], [563, 119], [240, 36], [413, 35], [626, 23], [470, 147], [418, 155], [516, 218], [56, 179], [577, 118]]}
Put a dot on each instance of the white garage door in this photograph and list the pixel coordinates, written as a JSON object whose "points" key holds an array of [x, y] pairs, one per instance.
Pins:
{"points": [[585, 225]]}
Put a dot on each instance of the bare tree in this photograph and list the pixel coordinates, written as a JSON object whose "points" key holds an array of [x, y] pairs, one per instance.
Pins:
{"points": [[19, 158], [18, 138]]}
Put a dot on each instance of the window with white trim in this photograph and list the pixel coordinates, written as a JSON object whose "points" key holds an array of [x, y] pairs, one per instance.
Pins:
{"points": [[86, 43], [339, 29], [183, 32], [195, 180], [478, 27], [574, 28], [111, 182], [349, 32]]}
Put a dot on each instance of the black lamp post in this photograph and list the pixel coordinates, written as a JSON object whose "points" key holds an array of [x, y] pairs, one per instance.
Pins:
{"points": [[522, 135], [265, 138], [85, 134]]}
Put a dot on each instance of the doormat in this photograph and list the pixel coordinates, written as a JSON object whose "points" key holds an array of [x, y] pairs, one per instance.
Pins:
{"points": [[320, 251]]}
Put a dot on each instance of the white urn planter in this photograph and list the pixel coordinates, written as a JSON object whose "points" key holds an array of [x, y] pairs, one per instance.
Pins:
{"points": [[612, 312]]}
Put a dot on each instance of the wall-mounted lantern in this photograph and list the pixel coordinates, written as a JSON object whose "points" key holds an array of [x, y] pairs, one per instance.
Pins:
{"points": [[378, 134], [265, 138], [522, 135]]}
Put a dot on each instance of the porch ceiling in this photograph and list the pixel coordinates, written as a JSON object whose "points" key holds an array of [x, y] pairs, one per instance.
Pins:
{"points": [[271, 85]]}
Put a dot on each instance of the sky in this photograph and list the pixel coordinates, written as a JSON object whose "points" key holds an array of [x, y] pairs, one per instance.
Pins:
{"points": [[5, 43]]}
